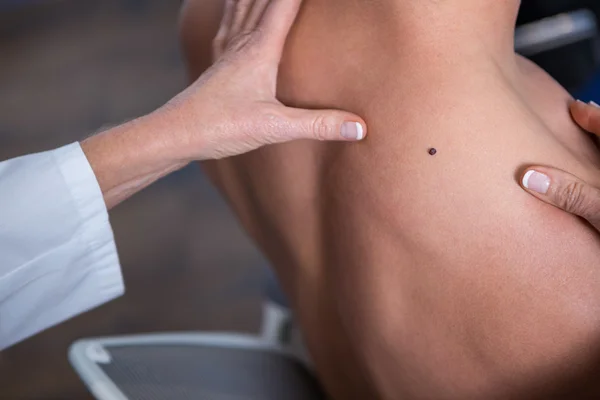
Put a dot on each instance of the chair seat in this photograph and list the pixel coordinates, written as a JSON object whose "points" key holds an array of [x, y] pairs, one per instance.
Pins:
{"points": [[191, 367]]}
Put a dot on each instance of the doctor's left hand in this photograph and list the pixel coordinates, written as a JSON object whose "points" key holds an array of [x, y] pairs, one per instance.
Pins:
{"points": [[560, 188], [232, 108]]}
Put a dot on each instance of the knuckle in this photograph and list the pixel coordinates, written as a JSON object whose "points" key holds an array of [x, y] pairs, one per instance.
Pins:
{"points": [[243, 44], [574, 198], [321, 128], [240, 43], [258, 34]]}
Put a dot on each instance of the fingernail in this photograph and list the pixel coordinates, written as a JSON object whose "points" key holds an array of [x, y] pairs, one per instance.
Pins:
{"points": [[352, 131], [536, 182], [593, 103]]}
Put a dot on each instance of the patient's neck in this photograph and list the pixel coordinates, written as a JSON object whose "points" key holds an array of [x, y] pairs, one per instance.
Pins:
{"points": [[486, 25]]}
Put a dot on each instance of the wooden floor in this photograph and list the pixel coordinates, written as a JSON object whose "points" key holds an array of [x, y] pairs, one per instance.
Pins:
{"points": [[68, 68]]}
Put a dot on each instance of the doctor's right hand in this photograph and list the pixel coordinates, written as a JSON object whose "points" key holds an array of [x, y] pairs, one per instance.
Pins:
{"points": [[560, 188], [233, 108], [230, 110]]}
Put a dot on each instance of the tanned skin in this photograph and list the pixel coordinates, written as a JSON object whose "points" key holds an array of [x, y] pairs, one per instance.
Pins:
{"points": [[416, 276]]}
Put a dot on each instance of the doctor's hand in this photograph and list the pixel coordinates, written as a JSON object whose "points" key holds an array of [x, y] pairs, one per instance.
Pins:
{"points": [[232, 108], [560, 188]]}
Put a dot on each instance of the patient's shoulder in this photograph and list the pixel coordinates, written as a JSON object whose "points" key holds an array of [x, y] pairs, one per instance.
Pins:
{"points": [[550, 102], [546, 97]]}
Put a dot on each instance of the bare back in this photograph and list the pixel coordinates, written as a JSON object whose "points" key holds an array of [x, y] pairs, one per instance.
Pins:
{"points": [[418, 275]]}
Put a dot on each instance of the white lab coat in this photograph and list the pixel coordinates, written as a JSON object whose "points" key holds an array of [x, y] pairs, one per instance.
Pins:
{"points": [[57, 252]]}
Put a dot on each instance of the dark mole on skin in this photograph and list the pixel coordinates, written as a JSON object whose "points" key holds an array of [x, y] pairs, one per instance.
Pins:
{"points": [[432, 151]]}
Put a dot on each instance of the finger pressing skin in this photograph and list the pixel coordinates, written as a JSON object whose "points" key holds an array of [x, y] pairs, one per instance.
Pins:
{"points": [[321, 125], [587, 116], [277, 21], [565, 191], [255, 15], [220, 41], [240, 14]]}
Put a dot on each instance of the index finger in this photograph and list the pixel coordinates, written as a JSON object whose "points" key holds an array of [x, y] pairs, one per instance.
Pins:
{"points": [[276, 23], [587, 116], [219, 42]]}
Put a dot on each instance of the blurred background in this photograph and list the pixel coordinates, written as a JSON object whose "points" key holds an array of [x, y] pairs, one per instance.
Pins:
{"points": [[70, 67]]}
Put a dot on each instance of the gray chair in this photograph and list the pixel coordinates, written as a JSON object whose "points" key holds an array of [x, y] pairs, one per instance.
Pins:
{"points": [[191, 366], [556, 32], [565, 45], [271, 365]]}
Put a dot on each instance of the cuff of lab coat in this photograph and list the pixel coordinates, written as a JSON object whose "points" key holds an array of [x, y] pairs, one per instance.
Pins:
{"points": [[96, 231], [67, 263]]}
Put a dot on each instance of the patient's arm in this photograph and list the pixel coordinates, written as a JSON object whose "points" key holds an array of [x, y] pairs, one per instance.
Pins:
{"points": [[430, 276]]}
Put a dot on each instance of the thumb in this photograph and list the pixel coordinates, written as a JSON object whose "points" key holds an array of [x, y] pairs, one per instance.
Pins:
{"points": [[324, 125], [564, 191], [587, 116]]}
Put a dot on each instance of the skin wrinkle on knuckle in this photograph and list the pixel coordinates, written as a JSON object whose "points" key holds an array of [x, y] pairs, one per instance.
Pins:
{"points": [[593, 205], [573, 198], [320, 127], [240, 45], [258, 34]]}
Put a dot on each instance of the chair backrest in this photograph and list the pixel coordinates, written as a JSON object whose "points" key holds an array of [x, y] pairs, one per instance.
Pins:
{"points": [[565, 45], [554, 32]]}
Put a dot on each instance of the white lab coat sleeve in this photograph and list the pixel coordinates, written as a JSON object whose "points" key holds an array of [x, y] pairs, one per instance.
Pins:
{"points": [[57, 252]]}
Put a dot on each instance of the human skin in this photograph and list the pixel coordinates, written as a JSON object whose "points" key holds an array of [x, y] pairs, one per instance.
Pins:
{"points": [[416, 276], [230, 109], [562, 189]]}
